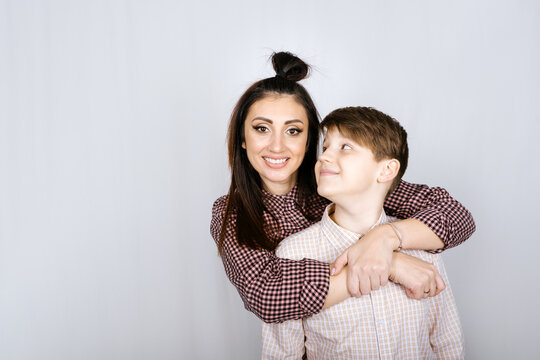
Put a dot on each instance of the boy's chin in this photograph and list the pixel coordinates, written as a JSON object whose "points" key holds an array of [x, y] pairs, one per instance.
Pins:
{"points": [[325, 193]]}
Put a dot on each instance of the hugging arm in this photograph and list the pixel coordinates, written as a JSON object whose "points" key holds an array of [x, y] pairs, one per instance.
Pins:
{"points": [[443, 215], [272, 288], [414, 274], [434, 221]]}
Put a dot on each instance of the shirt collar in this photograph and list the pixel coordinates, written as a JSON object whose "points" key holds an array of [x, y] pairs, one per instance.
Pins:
{"points": [[340, 237], [273, 200]]}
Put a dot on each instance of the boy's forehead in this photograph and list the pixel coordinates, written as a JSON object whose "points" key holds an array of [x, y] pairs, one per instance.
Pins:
{"points": [[337, 134]]}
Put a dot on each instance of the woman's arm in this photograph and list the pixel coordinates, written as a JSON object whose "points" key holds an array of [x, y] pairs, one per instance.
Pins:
{"points": [[416, 276], [272, 288], [437, 222], [450, 221]]}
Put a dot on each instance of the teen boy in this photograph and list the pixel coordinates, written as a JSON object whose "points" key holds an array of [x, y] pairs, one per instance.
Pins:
{"points": [[364, 156]]}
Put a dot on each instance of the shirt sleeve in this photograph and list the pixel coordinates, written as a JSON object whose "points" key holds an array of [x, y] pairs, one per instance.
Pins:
{"points": [[283, 340], [274, 289], [433, 206], [445, 334]]}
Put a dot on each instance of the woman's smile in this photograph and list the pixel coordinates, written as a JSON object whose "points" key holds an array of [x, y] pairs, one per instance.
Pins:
{"points": [[275, 163], [275, 133]]}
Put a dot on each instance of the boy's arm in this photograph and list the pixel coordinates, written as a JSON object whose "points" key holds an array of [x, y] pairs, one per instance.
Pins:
{"points": [[283, 340], [445, 332]]}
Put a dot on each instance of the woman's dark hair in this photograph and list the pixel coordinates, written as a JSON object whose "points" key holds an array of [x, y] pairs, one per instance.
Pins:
{"points": [[245, 192]]}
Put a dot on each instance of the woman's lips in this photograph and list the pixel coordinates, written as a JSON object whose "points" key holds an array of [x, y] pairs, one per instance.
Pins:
{"points": [[276, 163]]}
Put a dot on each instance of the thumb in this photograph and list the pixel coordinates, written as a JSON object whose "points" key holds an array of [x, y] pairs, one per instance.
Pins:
{"points": [[340, 262]]}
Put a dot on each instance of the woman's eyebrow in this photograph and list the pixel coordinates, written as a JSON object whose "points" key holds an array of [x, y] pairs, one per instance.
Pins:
{"points": [[271, 121]]}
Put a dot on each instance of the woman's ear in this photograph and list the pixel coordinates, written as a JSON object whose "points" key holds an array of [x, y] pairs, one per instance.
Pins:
{"points": [[243, 144], [389, 170]]}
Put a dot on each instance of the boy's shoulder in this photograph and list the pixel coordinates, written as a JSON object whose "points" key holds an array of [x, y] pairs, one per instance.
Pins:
{"points": [[301, 244]]}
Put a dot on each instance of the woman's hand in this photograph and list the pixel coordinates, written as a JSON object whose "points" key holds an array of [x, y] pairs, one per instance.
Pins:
{"points": [[369, 261], [420, 279]]}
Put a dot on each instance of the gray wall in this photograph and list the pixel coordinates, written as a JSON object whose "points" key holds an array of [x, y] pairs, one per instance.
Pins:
{"points": [[112, 149]]}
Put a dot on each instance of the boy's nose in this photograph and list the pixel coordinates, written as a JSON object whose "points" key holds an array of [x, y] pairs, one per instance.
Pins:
{"points": [[325, 156]]}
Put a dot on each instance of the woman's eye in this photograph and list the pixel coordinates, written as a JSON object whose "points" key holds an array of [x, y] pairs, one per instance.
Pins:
{"points": [[346, 147], [294, 131], [323, 148], [261, 128]]}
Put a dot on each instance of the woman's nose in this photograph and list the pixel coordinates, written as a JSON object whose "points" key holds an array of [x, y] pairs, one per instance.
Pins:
{"points": [[276, 144]]}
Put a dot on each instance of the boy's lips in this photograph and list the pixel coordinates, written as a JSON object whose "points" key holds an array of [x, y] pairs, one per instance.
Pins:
{"points": [[327, 172]]}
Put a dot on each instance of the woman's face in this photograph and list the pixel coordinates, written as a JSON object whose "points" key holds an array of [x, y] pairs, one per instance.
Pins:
{"points": [[276, 132]]}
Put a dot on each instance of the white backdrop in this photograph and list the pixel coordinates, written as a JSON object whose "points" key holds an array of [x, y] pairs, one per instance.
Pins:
{"points": [[112, 150]]}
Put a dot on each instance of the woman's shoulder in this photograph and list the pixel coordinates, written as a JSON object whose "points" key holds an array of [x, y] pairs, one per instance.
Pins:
{"points": [[219, 206], [314, 205], [220, 203], [218, 212]]}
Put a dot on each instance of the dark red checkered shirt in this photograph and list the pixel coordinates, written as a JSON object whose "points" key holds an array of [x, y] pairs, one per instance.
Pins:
{"points": [[278, 289]]}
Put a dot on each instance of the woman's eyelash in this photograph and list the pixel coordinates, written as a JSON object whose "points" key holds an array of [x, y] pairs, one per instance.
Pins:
{"points": [[260, 128], [294, 131]]}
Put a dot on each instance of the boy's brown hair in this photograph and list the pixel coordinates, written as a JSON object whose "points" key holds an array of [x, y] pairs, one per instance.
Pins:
{"points": [[369, 127]]}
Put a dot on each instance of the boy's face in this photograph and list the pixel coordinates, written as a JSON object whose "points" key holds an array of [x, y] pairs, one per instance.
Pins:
{"points": [[345, 168]]}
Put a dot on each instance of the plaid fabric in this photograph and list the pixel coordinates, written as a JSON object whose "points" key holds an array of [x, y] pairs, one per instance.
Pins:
{"points": [[445, 216], [277, 289], [383, 325]]}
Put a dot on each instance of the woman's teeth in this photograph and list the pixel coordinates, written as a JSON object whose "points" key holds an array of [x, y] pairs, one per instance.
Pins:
{"points": [[275, 161]]}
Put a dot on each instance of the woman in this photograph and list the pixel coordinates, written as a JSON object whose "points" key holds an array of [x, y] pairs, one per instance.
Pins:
{"points": [[272, 144]]}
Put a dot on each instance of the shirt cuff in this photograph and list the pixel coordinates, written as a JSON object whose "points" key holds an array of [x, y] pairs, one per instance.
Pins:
{"points": [[436, 222], [315, 287]]}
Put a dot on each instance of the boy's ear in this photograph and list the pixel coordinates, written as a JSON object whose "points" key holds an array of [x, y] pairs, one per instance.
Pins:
{"points": [[389, 170]]}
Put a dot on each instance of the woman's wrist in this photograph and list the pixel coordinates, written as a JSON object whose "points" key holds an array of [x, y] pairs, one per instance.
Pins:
{"points": [[388, 236]]}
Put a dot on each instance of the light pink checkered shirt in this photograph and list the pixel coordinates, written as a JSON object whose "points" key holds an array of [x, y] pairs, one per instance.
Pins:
{"points": [[383, 325]]}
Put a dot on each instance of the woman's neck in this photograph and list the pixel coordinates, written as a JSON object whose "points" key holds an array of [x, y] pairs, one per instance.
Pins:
{"points": [[279, 188]]}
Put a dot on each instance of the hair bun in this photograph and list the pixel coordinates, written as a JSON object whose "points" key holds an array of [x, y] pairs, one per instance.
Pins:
{"points": [[289, 66]]}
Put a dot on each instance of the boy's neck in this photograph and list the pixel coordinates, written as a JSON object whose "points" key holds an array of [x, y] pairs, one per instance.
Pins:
{"points": [[357, 215]]}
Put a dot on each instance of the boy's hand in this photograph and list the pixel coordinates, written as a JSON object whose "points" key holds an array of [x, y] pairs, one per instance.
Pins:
{"points": [[420, 279], [369, 261]]}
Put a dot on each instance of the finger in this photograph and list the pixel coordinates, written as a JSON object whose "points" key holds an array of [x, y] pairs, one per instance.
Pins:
{"points": [[352, 284], [432, 287], [383, 279], [422, 290], [440, 284], [364, 284], [412, 294], [340, 262], [375, 281]]}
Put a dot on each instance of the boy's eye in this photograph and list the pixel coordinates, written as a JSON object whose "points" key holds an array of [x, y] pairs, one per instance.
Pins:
{"points": [[346, 147]]}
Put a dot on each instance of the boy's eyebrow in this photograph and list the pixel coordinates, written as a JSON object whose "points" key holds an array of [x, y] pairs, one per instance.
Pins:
{"points": [[292, 121]]}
